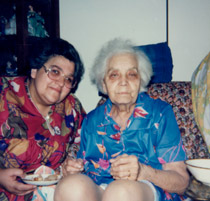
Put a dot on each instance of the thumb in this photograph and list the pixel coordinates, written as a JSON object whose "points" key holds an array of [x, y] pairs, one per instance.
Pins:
{"points": [[18, 172]]}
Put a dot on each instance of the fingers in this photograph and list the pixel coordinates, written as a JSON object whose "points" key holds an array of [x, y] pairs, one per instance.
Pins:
{"points": [[19, 188], [17, 172], [119, 160], [72, 166], [125, 167], [23, 189]]}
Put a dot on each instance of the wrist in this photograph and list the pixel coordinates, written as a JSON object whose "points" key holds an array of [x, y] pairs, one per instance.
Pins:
{"points": [[146, 172]]}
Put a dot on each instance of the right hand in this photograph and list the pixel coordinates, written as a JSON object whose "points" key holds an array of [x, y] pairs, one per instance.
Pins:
{"points": [[8, 181], [72, 166]]}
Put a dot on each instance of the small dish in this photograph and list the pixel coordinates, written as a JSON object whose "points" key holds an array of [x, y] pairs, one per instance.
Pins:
{"points": [[30, 179]]}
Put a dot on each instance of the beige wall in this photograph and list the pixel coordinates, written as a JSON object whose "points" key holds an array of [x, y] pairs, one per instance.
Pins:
{"points": [[87, 24]]}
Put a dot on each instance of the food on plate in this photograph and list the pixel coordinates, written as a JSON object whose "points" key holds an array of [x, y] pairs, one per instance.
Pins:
{"points": [[51, 177], [38, 178]]}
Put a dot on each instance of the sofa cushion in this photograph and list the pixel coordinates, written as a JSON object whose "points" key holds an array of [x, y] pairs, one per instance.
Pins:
{"points": [[161, 60], [178, 95]]}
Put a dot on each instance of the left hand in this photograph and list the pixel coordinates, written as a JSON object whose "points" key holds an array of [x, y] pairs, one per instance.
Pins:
{"points": [[125, 167]]}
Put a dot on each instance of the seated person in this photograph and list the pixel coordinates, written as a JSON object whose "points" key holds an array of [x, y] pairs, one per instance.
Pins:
{"points": [[39, 117], [131, 148]]}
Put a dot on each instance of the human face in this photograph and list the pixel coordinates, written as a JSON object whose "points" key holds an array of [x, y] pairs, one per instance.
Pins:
{"points": [[46, 91], [122, 79]]}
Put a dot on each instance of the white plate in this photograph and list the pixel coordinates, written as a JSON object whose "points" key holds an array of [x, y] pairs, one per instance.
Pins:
{"points": [[29, 179]]}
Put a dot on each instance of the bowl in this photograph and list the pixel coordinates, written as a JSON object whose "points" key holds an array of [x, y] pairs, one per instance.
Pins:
{"points": [[200, 169]]}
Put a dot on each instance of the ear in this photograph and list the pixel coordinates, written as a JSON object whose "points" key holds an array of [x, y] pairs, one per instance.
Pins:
{"points": [[33, 73]]}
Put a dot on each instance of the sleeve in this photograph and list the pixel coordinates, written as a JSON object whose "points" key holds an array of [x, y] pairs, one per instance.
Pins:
{"points": [[4, 114], [169, 146], [79, 114], [83, 143]]}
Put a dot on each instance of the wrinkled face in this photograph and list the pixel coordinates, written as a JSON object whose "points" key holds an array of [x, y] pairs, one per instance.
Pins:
{"points": [[122, 79], [47, 91]]}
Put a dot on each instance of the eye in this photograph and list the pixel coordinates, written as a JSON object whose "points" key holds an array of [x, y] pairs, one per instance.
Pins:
{"points": [[69, 80], [114, 75], [55, 72], [133, 74]]}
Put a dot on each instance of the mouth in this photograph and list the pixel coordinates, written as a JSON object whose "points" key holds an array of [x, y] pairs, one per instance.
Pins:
{"points": [[56, 89], [123, 93]]}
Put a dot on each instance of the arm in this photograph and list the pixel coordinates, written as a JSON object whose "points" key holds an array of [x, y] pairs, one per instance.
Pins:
{"points": [[169, 150], [72, 165], [78, 119], [174, 177]]}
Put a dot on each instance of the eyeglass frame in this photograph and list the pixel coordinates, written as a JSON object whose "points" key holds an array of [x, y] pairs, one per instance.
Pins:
{"points": [[48, 70]]}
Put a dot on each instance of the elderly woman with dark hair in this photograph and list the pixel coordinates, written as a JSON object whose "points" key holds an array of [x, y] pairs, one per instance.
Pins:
{"points": [[39, 117], [131, 148]]}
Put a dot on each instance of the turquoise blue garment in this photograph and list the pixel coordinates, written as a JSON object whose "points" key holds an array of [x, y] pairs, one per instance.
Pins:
{"points": [[152, 134]]}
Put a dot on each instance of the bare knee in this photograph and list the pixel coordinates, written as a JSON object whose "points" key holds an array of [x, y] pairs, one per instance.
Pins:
{"points": [[126, 190], [75, 188]]}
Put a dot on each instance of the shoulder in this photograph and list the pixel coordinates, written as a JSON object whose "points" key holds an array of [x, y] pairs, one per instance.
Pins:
{"points": [[155, 108], [75, 103], [12, 83], [156, 104], [97, 112], [97, 115]]}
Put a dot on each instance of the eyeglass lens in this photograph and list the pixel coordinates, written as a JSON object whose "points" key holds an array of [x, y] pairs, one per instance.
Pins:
{"points": [[54, 73]]}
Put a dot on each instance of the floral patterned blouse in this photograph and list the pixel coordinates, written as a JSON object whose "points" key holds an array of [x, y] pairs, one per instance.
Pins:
{"points": [[26, 141], [152, 134]]}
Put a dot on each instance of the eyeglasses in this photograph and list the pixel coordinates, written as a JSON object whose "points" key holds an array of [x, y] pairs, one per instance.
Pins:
{"points": [[55, 73]]}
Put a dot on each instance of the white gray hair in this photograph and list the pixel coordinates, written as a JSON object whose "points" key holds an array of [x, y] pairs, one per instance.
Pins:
{"points": [[115, 47]]}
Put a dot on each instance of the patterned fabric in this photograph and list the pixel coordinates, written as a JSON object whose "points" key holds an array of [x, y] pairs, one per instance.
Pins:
{"points": [[25, 138], [151, 134], [178, 95], [201, 98]]}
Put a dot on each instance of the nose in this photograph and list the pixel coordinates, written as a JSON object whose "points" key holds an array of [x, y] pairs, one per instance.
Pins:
{"points": [[123, 80], [61, 81]]}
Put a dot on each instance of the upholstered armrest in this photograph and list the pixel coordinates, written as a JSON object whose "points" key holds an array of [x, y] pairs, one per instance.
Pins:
{"points": [[178, 95]]}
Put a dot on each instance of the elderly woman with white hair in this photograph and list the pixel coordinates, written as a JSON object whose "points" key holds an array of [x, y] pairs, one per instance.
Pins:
{"points": [[131, 148]]}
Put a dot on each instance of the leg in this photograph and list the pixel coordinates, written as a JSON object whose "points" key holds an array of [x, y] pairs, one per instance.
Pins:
{"points": [[125, 190], [77, 187]]}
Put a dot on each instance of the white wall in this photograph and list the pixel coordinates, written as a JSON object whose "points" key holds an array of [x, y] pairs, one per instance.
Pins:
{"points": [[87, 24], [189, 35]]}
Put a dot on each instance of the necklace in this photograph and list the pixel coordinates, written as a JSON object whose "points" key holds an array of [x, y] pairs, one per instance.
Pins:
{"points": [[46, 118]]}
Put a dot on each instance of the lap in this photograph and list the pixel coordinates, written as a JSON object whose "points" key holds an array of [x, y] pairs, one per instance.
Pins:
{"points": [[124, 190]]}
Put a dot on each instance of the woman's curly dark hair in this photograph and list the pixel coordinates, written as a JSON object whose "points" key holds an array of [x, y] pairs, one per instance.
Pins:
{"points": [[46, 48]]}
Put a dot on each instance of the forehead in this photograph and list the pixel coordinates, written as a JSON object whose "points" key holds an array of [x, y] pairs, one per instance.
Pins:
{"points": [[62, 63], [58, 59], [123, 59]]}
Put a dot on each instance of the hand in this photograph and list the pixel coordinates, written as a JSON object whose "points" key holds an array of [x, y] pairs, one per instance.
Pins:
{"points": [[8, 181], [125, 167], [72, 166]]}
